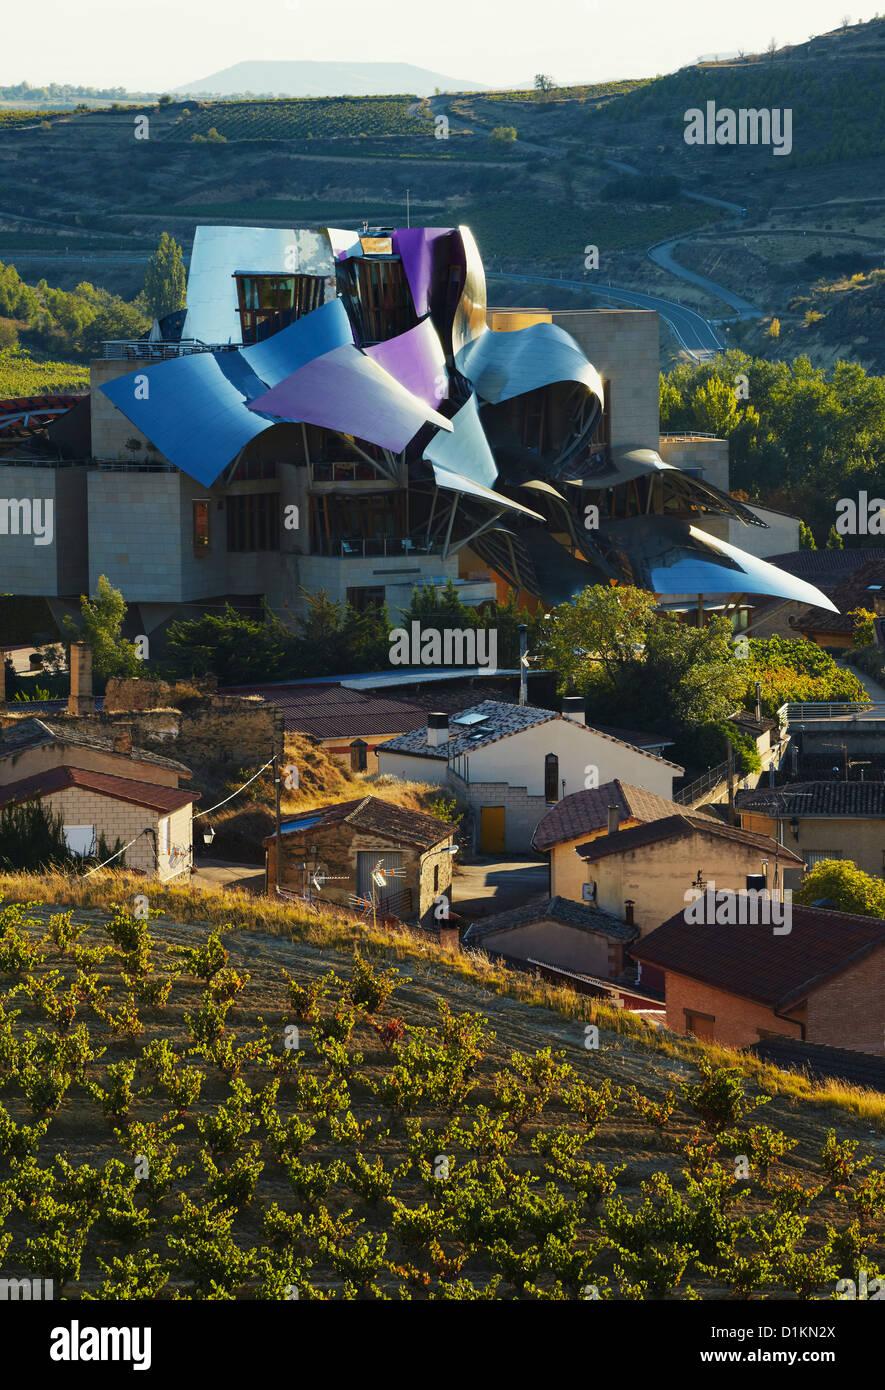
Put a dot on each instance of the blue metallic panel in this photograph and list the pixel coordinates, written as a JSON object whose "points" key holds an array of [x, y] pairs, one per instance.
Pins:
{"points": [[465, 451], [456, 482], [283, 353], [503, 365], [195, 414]]}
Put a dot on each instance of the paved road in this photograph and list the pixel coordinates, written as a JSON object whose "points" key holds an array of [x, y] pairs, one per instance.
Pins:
{"points": [[662, 255], [491, 885], [695, 333]]}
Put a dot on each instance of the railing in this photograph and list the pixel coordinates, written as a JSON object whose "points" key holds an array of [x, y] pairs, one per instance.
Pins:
{"points": [[819, 710], [142, 349], [693, 792], [383, 545]]}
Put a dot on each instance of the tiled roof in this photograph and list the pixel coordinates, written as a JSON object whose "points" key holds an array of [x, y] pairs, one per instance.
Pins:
{"points": [[750, 961], [334, 711], [825, 568], [377, 817], [499, 720], [32, 733], [850, 593], [635, 736], [675, 827], [572, 914], [583, 812], [823, 1063], [57, 779], [816, 799]]}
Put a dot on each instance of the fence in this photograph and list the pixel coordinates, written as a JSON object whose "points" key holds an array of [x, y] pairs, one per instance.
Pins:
{"points": [[791, 713], [687, 796]]}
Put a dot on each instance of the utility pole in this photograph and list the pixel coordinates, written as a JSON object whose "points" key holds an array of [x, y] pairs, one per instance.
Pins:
{"points": [[730, 782], [408, 209], [276, 780], [523, 665]]}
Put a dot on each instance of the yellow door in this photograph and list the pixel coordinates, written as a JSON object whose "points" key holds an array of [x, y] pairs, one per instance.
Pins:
{"points": [[492, 834]]}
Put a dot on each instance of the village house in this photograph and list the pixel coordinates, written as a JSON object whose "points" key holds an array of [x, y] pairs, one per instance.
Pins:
{"points": [[647, 871], [822, 982], [104, 788], [368, 850], [512, 762], [822, 820], [557, 934], [582, 816]]}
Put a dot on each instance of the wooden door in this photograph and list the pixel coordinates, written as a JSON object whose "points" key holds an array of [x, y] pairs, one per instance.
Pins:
{"points": [[492, 830]]}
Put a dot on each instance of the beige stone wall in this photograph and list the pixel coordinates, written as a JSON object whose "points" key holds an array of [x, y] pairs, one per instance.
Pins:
{"points": [[32, 761], [338, 847], [120, 820], [555, 943], [862, 841], [568, 873], [623, 345], [658, 876], [698, 451]]}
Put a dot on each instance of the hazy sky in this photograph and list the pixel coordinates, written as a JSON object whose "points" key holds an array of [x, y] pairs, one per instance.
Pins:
{"points": [[159, 44]]}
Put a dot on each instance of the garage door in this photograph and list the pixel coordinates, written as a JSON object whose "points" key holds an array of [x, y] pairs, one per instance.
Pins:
{"points": [[391, 865]]}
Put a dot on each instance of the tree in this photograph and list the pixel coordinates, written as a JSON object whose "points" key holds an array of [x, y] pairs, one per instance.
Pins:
{"points": [[165, 281], [100, 626], [544, 82], [502, 134], [806, 537], [843, 883], [231, 645], [639, 667], [864, 634], [834, 540], [774, 328]]}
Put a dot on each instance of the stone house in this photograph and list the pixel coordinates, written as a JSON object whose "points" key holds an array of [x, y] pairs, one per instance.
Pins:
{"points": [[822, 982], [332, 852], [102, 786], [822, 820], [584, 815], [559, 933], [510, 763]]}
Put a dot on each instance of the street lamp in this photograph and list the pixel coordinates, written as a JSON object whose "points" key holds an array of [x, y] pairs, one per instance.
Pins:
{"points": [[208, 835]]}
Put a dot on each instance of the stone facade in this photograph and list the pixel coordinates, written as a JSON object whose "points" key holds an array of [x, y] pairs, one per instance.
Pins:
{"points": [[427, 873], [624, 347]]}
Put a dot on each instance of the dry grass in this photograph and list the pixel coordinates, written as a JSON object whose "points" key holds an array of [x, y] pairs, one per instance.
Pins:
{"points": [[339, 932]]}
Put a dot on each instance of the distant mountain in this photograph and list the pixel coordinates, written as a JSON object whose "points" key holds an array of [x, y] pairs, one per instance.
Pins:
{"points": [[309, 79]]}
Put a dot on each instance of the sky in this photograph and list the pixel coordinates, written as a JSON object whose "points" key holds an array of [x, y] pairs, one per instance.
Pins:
{"points": [[164, 43]]}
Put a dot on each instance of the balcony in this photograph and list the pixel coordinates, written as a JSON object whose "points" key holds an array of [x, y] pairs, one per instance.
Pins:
{"points": [[142, 350]]}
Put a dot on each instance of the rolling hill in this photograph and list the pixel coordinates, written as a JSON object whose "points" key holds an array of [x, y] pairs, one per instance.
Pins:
{"points": [[302, 78]]}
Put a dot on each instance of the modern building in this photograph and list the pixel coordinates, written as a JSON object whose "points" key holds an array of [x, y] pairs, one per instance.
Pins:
{"points": [[511, 763], [370, 854], [821, 982], [339, 410]]}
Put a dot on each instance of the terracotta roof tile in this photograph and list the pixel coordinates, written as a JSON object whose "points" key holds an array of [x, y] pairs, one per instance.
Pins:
{"points": [[378, 817], [752, 962], [56, 779], [800, 799], [573, 914], [583, 812], [676, 827]]}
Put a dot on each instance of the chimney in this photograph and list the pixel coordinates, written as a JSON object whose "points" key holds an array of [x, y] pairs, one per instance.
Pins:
{"points": [[80, 700], [437, 730], [614, 819], [122, 738], [629, 904], [523, 664], [573, 708], [449, 936]]}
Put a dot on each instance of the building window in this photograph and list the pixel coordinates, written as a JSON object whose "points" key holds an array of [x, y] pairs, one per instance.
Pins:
{"points": [[80, 839], [364, 598], [701, 1025], [201, 526], [436, 878], [551, 778], [814, 856], [253, 521], [267, 303]]}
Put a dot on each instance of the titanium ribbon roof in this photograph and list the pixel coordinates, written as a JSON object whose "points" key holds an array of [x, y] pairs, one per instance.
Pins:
{"points": [[219, 252], [627, 464], [417, 361], [466, 450], [503, 365]]}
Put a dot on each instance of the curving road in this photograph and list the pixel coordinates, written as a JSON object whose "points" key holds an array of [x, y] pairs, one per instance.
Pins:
{"points": [[693, 332]]}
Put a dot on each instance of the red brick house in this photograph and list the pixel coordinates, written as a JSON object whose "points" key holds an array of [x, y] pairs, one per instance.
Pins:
{"points": [[823, 982]]}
